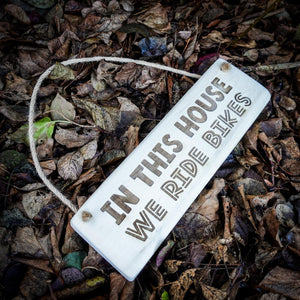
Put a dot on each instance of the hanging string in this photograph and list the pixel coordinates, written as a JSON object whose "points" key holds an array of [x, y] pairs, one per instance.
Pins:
{"points": [[32, 104]]}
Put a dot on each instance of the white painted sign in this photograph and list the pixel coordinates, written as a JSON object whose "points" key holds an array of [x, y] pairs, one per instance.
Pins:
{"points": [[137, 206]]}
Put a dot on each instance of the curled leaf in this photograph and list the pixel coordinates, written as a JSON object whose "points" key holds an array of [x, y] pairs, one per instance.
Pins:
{"points": [[164, 252]]}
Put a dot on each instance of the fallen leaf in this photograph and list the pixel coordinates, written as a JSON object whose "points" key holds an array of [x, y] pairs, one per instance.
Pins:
{"points": [[208, 205], [45, 150], [283, 281], [111, 156], [107, 118], [34, 284], [16, 113], [43, 129], [71, 139], [120, 288], [171, 265], [272, 127], [12, 159], [285, 214], [179, 288], [62, 72], [13, 218], [26, 244], [89, 150], [164, 252], [287, 103], [61, 109], [197, 253], [156, 18], [132, 138], [18, 13], [212, 293], [70, 165], [34, 201]]}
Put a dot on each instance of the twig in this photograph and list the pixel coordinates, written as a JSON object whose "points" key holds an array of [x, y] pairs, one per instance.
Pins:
{"points": [[271, 68], [254, 23], [68, 120], [271, 14]]}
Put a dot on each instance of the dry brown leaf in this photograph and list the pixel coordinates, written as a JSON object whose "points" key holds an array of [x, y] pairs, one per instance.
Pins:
{"points": [[208, 205], [26, 244], [34, 201], [89, 150], [179, 288], [61, 109], [45, 150], [120, 288], [171, 265], [70, 165], [212, 293], [71, 139], [132, 138], [156, 18]]}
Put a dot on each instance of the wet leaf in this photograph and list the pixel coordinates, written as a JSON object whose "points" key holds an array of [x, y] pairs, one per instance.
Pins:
{"points": [[62, 72], [161, 256], [12, 159], [70, 165], [74, 259], [61, 109], [13, 218]]}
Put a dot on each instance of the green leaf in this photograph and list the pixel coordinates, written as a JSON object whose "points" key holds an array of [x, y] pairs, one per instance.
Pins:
{"points": [[43, 129], [165, 296], [75, 259]]}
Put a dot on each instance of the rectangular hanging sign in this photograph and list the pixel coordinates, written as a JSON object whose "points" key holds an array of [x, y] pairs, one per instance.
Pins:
{"points": [[132, 212]]}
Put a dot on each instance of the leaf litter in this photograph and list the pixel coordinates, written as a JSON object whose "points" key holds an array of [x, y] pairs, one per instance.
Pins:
{"points": [[239, 239]]}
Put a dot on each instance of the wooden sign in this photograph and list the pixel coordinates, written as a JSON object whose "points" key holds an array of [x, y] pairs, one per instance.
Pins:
{"points": [[133, 211]]}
